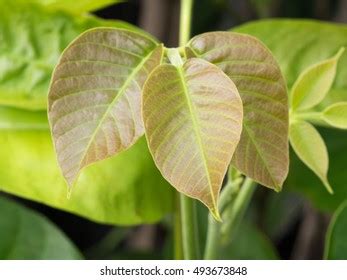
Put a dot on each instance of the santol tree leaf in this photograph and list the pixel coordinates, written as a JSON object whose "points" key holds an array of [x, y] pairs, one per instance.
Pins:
{"points": [[297, 44], [32, 40], [95, 96], [262, 153], [27, 235], [124, 190], [310, 148], [76, 6], [193, 121], [336, 115], [314, 83]]}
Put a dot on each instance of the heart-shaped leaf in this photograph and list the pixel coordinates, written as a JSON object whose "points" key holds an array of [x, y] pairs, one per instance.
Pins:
{"points": [[193, 121], [310, 148], [314, 83], [95, 96], [262, 153], [336, 115]]}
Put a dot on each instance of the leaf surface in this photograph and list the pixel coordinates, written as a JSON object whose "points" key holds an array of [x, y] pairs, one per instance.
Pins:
{"points": [[95, 96], [76, 6], [193, 120], [32, 40], [123, 190], [262, 153], [335, 242], [314, 83], [27, 235], [310, 148], [336, 115]]}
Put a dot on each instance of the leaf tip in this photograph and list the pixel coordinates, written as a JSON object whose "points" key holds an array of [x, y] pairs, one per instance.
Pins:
{"points": [[328, 187], [216, 215]]}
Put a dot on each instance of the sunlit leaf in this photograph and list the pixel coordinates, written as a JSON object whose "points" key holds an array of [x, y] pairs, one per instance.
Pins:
{"points": [[25, 234], [314, 83], [126, 189], [75, 6], [262, 153], [95, 96], [193, 121], [310, 148], [336, 115], [32, 40], [335, 243]]}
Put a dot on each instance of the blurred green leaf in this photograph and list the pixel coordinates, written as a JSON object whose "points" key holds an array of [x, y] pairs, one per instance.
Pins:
{"points": [[314, 83], [249, 244], [335, 244], [336, 115], [127, 189], [75, 6], [32, 40], [310, 148], [25, 234]]}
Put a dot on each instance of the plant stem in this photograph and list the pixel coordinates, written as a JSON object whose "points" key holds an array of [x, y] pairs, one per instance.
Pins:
{"points": [[232, 213], [190, 240], [185, 21], [177, 234]]}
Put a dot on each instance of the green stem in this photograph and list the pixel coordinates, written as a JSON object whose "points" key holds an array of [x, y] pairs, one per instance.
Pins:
{"points": [[190, 237], [234, 202], [185, 21], [177, 228], [234, 214], [190, 240], [213, 232]]}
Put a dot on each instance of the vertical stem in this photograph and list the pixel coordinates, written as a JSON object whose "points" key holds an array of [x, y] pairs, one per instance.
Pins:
{"points": [[232, 214], [185, 21], [177, 228], [190, 240]]}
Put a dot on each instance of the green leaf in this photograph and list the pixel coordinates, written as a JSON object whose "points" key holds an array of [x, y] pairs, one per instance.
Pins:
{"points": [[335, 244], [249, 244], [76, 6], [32, 40], [310, 148], [193, 121], [124, 190], [314, 83], [263, 150], [336, 115], [297, 44], [25, 234], [95, 96]]}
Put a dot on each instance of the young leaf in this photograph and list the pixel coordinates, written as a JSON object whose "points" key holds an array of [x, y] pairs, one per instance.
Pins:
{"points": [[310, 148], [95, 96], [193, 120], [335, 241], [314, 83], [262, 153], [27, 235], [336, 115]]}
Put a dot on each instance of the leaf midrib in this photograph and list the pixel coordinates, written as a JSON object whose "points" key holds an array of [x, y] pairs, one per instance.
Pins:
{"points": [[197, 132]]}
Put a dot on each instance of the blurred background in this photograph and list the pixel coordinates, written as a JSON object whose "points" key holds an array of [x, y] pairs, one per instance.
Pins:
{"points": [[287, 225]]}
